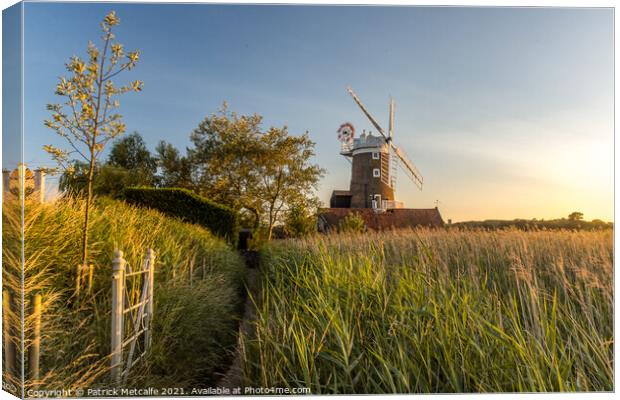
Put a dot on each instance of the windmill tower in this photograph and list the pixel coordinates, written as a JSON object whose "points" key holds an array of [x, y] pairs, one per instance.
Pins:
{"points": [[374, 161]]}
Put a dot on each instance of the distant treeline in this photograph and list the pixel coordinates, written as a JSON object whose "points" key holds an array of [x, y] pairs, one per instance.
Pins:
{"points": [[537, 224]]}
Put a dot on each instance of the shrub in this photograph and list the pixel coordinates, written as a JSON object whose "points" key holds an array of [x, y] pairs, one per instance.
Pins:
{"points": [[188, 206], [352, 223], [299, 222]]}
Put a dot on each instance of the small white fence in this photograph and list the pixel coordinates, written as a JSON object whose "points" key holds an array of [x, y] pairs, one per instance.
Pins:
{"points": [[132, 313], [132, 319]]}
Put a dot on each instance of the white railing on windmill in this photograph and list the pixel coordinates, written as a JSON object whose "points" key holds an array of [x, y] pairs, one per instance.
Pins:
{"points": [[346, 147], [397, 155]]}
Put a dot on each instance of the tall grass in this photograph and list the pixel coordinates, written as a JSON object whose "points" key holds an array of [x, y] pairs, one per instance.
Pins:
{"points": [[436, 311], [75, 343]]}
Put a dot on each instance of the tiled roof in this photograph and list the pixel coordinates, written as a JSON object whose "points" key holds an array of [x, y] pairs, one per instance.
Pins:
{"points": [[390, 219]]}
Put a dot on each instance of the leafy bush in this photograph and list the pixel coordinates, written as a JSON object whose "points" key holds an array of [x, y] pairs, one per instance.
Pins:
{"points": [[189, 207], [299, 222], [352, 223]]}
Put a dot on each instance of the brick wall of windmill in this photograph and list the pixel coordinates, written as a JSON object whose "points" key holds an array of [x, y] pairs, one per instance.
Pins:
{"points": [[364, 184]]}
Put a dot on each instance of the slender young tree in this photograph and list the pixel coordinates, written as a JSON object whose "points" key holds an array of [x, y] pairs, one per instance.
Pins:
{"points": [[87, 119]]}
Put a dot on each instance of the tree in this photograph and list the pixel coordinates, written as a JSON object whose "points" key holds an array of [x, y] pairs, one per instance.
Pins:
{"points": [[260, 172], [107, 180], [176, 170], [287, 177], [223, 157], [129, 164], [87, 119], [130, 153], [575, 216]]}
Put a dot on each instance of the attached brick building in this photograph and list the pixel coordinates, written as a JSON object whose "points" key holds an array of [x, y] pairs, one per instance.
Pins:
{"points": [[397, 218]]}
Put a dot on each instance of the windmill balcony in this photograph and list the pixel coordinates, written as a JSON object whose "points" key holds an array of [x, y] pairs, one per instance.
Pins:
{"points": [[346, 148]]}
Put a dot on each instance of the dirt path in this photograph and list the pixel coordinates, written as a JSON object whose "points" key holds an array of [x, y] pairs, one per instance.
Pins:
{"points": [[233, 378]]}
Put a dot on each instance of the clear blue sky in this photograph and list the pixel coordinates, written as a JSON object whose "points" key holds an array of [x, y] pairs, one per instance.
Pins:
{"points": [[507, 112]]}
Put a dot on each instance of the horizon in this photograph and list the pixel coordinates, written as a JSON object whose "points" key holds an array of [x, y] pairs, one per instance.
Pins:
{"points": [[528, 92]]}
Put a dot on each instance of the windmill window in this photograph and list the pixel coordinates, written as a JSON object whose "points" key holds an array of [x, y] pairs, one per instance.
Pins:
{"points": [[376, 173], [375, 155]]}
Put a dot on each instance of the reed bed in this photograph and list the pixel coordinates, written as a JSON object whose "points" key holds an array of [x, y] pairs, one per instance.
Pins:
{"points": [[75, 343], [435, 311]]}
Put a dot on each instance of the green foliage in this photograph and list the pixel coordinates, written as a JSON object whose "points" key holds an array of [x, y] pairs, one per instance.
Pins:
{"points": [[107, 180], [76, 329], [176, 169], [299, 222], [262, 172], [352, 223], [575, 216], [436, 311], [130, 153], [112, 181], [130, 164], [75, 179], [535, 224], [189, 207]]}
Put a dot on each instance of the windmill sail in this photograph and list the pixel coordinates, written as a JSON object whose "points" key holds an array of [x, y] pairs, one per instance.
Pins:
{"points": [[391, 127], [392, 157], [370, 117], [395, 155], [409, 168], [385, 168], [394, 167]]}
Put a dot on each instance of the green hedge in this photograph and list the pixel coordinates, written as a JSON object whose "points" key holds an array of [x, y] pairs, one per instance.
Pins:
{"points": [[188, 206]]}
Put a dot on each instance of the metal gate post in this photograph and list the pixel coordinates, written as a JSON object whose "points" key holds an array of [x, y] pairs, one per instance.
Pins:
{"points": [[118, 283]]}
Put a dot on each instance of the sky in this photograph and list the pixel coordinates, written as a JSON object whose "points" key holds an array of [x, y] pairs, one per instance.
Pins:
{"points": [[506, 112]]}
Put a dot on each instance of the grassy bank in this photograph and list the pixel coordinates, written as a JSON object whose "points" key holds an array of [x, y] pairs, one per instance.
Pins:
{"points": [[194, 327], [436, 311]]}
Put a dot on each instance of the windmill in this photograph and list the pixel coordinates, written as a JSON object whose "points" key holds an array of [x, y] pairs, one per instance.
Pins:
{"points": [[374, 162], [407, 165]]}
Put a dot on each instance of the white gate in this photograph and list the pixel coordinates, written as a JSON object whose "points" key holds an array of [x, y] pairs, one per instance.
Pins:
{"points": [[132, 313]]}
